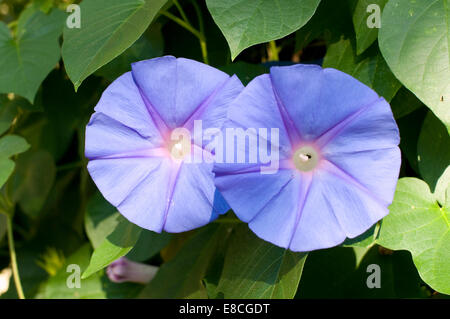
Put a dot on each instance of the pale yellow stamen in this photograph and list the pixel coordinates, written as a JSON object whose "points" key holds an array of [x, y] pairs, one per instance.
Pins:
{"points": [[306, 158]]}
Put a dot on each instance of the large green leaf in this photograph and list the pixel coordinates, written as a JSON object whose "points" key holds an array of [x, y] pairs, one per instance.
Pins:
{"points": [[30, 54], [148, 245], [370, 68], [365, 36], [116, 245], [182, 276], [9, 146], [419, 224], [108, 27], [245, 23], [149, 45], [257, 269], [415, 41], [433, 150], [100, 220]]}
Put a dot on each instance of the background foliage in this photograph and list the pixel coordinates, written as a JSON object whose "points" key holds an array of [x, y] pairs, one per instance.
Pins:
{"points": [[51, 77]]}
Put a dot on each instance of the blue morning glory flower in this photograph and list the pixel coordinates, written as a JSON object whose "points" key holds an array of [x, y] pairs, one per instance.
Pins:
{"points": [[338, 158], [135, 161]]}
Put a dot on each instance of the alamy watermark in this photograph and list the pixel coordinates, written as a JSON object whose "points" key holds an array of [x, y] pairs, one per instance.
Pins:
{"points": [[74, 279], [374, 279], [73, 21], [229, 145], [374, 19]]}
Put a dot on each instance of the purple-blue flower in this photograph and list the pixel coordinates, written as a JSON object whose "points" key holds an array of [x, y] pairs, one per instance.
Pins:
{"points": [[133, 158], [338, 158]]}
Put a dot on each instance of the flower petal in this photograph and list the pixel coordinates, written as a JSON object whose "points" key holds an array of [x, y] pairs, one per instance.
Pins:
{"points": [[122, 102], [248, 192], [355, 208], [174, 88], [194, 201], [317, 99], [213, 112], [256, 107], [146, 204], [106, 137], [317, 227], [276, 220], [116, 178], [376, 170], [372, 127]]}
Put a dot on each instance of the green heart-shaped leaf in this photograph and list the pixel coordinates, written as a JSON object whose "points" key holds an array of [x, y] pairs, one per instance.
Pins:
{"points": [[418, 223], [414, 40], [107, 28], [245, 23], [29, 55]]}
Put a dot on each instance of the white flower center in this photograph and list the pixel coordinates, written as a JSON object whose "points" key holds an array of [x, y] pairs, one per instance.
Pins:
{"points": [[305, 158], [180, 149]]}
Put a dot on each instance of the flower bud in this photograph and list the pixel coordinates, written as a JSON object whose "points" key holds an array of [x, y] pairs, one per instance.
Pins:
{"points": [[125, 270]]}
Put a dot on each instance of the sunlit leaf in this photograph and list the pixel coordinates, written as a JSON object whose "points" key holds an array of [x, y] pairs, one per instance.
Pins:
{"points": [[108, 27], [415, 41], [366, 35], [245, 23], [417, 223], [115, 245]]}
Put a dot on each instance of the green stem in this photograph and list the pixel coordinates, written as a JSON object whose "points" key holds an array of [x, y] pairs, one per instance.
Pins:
{"points": [[181, 11], [182, 23], [12, 253], [200, 36], [273, 51], [204, 51], [201, 26]]}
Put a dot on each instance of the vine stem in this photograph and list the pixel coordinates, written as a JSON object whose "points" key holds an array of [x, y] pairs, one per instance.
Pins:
{"points": [[198, 11], [180, 9], [273, 51], [12, 253], [186, 24], [182, 23]]}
